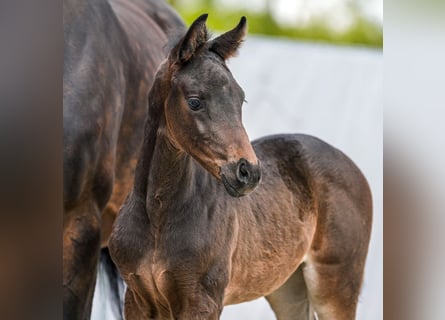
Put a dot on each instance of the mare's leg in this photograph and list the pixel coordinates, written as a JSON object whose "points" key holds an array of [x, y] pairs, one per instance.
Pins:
{"points": [[81, 242], [88, 172], [290, 301]]}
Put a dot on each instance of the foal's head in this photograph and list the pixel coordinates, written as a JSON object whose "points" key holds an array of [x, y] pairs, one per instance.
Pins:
{"points": [[202, 106]]}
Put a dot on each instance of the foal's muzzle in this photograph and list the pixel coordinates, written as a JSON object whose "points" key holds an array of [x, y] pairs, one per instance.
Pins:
{"points": [[240, 178]]}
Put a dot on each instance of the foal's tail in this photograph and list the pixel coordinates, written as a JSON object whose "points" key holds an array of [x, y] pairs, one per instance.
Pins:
{"points": [[108, 298]]}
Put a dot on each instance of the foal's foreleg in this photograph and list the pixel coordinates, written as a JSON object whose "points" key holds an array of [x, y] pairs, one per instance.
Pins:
{"points": [[195, 291], [137, 308], [199, 304], [203, 308], [196, 307]]}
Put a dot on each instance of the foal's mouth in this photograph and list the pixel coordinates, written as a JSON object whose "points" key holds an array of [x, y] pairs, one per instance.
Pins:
{"points": [[240, 178], [229, 188]]}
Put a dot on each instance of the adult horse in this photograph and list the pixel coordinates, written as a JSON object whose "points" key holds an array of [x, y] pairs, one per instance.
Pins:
{"points": [[112, 49], [194, 236]]}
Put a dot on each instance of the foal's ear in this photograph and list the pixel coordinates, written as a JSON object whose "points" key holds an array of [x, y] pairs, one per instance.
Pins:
{"points": [[227, 44], [195, 38]]}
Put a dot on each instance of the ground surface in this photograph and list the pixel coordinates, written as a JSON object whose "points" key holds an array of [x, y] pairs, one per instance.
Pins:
{"points": [[334, 93]]}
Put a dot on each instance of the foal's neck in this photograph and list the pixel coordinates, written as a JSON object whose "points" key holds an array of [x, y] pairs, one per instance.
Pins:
{"points": [[172, 176]]}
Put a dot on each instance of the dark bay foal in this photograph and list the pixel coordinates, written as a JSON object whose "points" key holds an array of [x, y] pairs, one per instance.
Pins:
{"points": [[214, 220]]}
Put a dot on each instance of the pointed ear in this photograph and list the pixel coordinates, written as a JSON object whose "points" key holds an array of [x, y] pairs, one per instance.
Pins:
{"points": [[195, 38], [227, 44]]}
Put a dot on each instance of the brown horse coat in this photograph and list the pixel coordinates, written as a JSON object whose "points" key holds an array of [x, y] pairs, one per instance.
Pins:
{"points": [[110, 54], [214, 220]]}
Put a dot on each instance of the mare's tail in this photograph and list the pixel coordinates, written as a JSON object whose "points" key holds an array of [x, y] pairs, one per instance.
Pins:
{"points": [[108, 298]]}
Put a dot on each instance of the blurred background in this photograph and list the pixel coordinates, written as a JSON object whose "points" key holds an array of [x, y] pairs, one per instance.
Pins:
{"points": [[354, 22]]}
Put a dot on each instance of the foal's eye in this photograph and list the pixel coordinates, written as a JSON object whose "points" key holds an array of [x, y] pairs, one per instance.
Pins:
{"points": [[194, 103]]}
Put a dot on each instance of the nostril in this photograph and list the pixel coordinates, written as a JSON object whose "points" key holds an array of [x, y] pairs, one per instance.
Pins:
{"points": [[242, 171]]}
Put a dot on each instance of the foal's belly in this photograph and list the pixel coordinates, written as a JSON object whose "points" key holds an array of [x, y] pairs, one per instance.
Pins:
{"points": [[266, 268], [273, 238], [260, 285]]}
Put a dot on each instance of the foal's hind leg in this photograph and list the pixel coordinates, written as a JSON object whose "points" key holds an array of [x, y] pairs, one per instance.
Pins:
{"points": [[290, 301], [333, 289], [334, 265]]}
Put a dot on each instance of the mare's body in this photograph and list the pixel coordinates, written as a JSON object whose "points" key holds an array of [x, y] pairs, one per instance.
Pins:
{"points": [[111, 51], [194, 236]]}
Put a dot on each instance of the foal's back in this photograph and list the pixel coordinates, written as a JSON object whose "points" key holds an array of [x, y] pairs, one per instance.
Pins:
{"points": [[312, 210]]}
